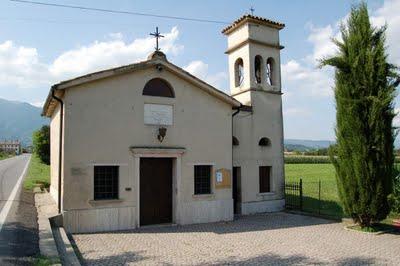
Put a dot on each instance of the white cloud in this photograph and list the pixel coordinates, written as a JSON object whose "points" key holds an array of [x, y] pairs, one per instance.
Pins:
{"points": [[296, 112], [38, 104], [390, 14], [304, 76], [106, 54], [306, 79], [20, 66], [321, 38], [396, 119], [200, 69]]}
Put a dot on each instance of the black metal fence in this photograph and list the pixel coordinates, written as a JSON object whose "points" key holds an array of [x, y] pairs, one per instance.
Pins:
{"points": [[294, 195], [315, 197]]}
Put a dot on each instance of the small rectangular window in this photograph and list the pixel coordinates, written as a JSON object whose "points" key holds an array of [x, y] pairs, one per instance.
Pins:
{"points": [[265, 178], [106, 182], [202, 179]]}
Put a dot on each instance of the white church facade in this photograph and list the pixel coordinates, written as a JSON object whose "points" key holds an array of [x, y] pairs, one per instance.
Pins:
{"points": [[149, 143]]}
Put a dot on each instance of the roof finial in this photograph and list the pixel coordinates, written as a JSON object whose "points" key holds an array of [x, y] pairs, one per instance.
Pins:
{"points": [[252, 10], [157, 35]]}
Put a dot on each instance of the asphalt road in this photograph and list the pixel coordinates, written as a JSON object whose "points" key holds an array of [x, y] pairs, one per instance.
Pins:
{"points": [[18, 217]]}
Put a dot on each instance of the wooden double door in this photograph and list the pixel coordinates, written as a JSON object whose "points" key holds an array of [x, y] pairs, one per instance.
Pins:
{"points": [[155, 191]]}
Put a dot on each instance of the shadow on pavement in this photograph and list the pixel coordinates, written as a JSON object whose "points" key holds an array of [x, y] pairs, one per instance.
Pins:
{"points": [[260, 222], [19, 240]]}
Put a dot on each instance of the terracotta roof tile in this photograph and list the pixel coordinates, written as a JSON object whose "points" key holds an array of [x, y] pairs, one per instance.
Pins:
{"points": [[253, 18]]}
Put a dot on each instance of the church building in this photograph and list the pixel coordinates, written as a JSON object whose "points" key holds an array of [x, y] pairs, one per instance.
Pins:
{"points": [[149, 143]]}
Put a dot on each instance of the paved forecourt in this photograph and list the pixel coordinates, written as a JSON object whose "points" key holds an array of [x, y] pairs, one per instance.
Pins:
{"points": [[268, 239]]}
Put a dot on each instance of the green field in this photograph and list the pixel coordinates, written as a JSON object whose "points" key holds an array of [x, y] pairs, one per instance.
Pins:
{"points": [[311, 174], [38, 174]]}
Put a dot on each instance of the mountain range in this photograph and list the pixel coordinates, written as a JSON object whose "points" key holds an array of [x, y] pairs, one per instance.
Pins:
{"points": [[304, 145], [18, 120]]}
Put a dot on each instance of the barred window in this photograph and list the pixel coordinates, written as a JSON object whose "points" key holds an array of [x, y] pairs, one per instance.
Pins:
{"points": [[106, 182], [265, 178], [202, 179]]}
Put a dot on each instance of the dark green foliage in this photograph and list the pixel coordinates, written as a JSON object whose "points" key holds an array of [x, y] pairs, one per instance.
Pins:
{"points": [[41, 144], [364, 92], [306, 159], [394, 198], [317, 152]]}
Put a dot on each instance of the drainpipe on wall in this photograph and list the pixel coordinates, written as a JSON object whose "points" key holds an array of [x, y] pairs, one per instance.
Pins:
{"points": [[234, 114], [59, 145]]}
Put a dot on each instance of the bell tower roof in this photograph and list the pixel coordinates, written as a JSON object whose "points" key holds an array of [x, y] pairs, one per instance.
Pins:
{"points": [[247, 18]]}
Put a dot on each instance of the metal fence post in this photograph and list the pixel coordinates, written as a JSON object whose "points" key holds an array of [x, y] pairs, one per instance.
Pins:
{"points": [[301, 194], [319, 196]]}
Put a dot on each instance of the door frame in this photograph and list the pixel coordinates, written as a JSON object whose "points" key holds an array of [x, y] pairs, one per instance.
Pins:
{"points": [[159, 152], [238, 203]]}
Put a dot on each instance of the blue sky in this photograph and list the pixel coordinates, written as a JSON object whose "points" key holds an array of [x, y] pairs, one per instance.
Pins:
{"points": [[41, 45]]}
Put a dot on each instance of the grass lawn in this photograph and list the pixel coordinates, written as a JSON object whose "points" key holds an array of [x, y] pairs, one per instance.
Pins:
{"points": [[310, 175], [38, 174], [330, 203]]}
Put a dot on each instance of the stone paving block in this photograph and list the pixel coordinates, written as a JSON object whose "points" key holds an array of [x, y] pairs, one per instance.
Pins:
{"points": [[267, 239]]}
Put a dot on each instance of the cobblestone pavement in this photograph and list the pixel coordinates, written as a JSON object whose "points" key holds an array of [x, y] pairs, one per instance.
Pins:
{"points": [[268, 239]]}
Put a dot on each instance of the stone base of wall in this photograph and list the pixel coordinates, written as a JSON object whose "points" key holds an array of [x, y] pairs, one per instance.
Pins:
{"points": [[263, 206], [206, 211], [124, 218], [99, 219]]}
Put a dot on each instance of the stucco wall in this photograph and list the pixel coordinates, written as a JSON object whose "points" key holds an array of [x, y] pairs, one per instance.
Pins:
{"points": [[54, 152], [104, 118], [266, 121]]}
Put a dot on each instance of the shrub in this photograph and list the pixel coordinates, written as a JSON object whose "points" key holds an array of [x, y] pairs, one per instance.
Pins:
{"points": [[365, 86], [41, 144], [394, 198], [305, 159]]}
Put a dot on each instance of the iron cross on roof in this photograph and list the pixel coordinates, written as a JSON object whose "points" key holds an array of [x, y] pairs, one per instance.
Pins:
{"points": [[157, 35], [252, 10]]}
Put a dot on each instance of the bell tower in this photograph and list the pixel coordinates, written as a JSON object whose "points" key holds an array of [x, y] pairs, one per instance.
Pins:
{"points": [[257, 138], [254, 56]]}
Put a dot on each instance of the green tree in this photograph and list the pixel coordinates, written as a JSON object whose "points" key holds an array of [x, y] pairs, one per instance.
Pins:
{"points": [[364, 92], [41, 144]]}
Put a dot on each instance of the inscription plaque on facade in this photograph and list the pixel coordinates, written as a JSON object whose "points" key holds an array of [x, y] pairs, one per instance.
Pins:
{"points": [[158, 114]]}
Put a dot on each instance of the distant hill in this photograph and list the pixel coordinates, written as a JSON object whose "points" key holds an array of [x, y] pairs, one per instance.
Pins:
{"points": [[297, 147], [18, 120], [304, 145]]}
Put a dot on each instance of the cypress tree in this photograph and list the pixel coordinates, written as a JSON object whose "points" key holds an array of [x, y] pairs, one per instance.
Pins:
{"points": [[364, 94]]}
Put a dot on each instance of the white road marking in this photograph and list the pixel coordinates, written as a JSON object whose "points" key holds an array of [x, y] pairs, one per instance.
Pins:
{"points": [[7, 206]]}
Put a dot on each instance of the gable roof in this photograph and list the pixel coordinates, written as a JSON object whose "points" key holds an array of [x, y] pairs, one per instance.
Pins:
{"points": [[156, 59], [255, 19]]}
